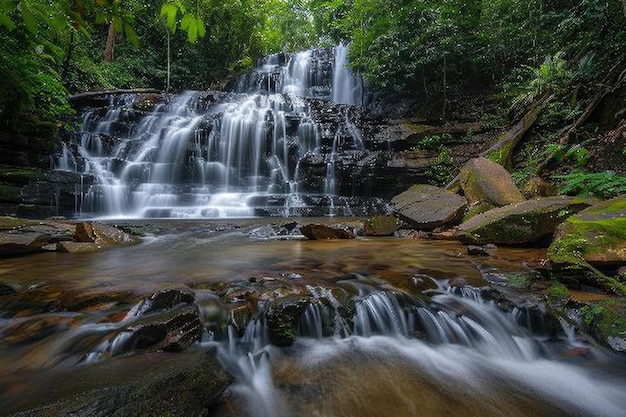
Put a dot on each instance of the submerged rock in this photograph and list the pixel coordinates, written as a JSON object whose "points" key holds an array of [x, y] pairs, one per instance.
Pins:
{"points": [[525, 222], [485, 181], [282, 319], [427, 207]]}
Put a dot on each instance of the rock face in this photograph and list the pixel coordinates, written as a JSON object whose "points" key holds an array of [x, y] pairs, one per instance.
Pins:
{"points": [[525, 222], [485, 181], [427, 207]]}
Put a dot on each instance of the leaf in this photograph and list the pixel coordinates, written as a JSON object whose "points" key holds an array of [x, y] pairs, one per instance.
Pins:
{"points": [[131, 35], [192, 32], [170, 11], [201, 28], [6, 22], [30, 21], [187, 21], [118, 24]]}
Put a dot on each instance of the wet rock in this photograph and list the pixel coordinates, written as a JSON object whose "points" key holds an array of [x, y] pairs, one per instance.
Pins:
{"points": [[190, 383], [427, 207], [111, 236], [485, 181], [475, 250], [282, 319], [525, 222], [78, 247], [164, 300], [174, 330], [381, 226], [20, 242], [6, 289], [85, 233], [323, 232], [606, 321]]}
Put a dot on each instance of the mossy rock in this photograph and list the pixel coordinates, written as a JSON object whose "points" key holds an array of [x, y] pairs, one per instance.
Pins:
{"points": [[593, 240], [381, 226], [525, 222], [606, 321], [485, 181]]}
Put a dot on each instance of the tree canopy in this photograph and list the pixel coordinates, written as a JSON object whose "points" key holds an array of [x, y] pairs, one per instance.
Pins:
{"points": [[50, 48]]}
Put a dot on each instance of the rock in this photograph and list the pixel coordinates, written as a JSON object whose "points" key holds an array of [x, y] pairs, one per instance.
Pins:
{"points": [[427, 207], [537, 187], [593, 240], [323, 232], [85, 233], [381, 226], [173, 330], [485, 181], [606, 321], [6, 289], [596, 235], [190, 383], [78, 247], [20, 242], [475, 250], [282, 319], [111, 236], [525, 222]]}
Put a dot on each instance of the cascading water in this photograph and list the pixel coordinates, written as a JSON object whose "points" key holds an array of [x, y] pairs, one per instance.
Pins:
{"points": [[462, 354], [227, 155]]}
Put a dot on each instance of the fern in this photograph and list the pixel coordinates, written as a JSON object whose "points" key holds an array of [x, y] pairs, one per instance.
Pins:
{"points": [[598, 184]]}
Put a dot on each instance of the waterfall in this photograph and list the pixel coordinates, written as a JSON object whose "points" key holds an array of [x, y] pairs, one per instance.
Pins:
{"points": [[204, 154]]}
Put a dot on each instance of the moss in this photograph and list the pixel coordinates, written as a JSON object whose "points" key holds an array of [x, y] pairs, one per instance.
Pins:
{"points": [[479, 208], [606, 318], [7, 223], [558, 292], [9, 193]]}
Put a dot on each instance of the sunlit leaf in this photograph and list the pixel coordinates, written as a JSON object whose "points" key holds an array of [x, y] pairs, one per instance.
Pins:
{"points": [[201, 28], [192, 32], [169, 11], [187, 21]]}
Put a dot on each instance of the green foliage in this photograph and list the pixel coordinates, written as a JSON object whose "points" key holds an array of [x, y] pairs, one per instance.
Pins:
{"points": [[558, 292], [598, 184], [432, 142], [442, 169]]}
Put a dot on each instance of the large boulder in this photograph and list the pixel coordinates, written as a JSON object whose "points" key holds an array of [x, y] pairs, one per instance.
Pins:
{"points": [[594, 240], [19, 242], [427, 207], [525, 222], [597, 235], [485, 181]]}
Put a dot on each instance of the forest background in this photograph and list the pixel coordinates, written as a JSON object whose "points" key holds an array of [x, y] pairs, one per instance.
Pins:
{"points": [[519, 50]]}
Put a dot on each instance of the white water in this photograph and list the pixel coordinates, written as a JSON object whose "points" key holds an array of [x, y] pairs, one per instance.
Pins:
{"points": [[457, 356], [227, 159]]}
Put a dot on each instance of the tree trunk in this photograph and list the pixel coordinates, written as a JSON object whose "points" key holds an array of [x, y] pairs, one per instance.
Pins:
{"points": [[169, 53], [68, 56], [108, 51]]}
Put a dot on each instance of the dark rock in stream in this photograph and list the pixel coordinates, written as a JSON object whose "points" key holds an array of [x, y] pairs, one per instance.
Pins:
{"points": [[152, 384], [282, 319], [323, 232]]}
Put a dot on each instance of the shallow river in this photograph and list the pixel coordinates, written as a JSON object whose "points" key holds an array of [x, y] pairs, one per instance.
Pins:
{"points": [[492, 365]]}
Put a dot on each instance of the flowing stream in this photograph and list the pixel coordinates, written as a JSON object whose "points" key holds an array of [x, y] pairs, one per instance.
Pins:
{"points": [[427, 334]]}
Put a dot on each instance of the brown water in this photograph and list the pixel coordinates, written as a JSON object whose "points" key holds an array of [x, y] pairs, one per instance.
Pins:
{"points": [[62, 295]]}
